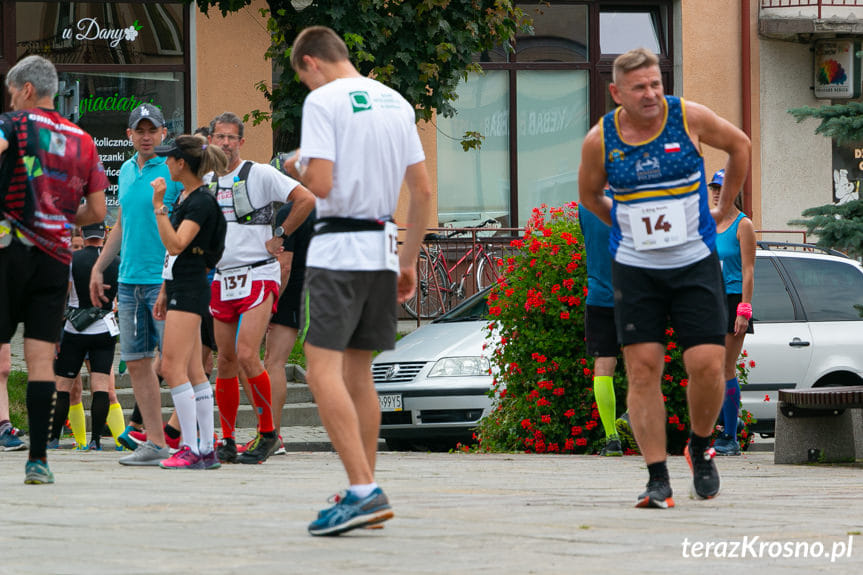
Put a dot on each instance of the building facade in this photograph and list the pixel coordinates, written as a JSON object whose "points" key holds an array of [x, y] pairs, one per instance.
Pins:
{"points": [[112, 56], [750, 61]]}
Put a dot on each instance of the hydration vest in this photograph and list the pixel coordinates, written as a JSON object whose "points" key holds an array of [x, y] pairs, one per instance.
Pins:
{"points": [[244, 212]]}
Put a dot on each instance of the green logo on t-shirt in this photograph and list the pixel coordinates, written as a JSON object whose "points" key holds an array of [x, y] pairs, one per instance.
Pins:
{"points": [[360, 101]]}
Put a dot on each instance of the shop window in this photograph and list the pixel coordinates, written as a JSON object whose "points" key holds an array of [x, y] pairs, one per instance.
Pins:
{"points": [[101, 32], [474, 186], [552, 122], [104, 102], [559, 34], [624, 30], [549, 90]]}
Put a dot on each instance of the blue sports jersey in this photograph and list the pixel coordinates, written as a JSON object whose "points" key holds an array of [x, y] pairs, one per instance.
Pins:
{"points": [[596, 237], [728, 249], [661, 216]]}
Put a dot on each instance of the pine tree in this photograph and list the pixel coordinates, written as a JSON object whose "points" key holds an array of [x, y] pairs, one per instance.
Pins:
{"points": [[837, 227]]}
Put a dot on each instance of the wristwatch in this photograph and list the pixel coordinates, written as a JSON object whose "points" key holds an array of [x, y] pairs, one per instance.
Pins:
{"points": [[161, 211], [279, 231]]}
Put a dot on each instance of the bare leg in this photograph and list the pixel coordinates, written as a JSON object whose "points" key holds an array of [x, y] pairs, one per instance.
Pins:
{"points": [[280, 343], [704, 366], [644, 366], [5, 370], [361, 386], [146, 387], [338, 412]]}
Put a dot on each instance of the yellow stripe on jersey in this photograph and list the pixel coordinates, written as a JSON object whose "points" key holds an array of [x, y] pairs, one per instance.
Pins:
{"points": [[660, 193]]}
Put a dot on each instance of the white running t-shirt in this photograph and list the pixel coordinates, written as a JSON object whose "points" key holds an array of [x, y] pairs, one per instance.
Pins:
{"points": [[246, 244], [369, 133]]}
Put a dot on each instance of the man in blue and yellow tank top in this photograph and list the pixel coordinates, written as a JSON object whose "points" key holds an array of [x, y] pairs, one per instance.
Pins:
{"points": [[663, 236]]}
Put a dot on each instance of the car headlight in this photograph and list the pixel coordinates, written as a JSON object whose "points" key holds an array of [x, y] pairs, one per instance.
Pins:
{"points": [[460, 366]]}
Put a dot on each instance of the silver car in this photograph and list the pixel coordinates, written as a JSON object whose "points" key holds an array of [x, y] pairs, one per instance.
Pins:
{"points": [[808, 319], [433, 387]]}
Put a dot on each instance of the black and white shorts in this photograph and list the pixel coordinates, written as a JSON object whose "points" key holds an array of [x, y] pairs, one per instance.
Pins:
{"points": [[75, 347]]}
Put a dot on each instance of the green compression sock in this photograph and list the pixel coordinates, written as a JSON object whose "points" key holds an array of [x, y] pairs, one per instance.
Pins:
{"points": [[603, 390]]}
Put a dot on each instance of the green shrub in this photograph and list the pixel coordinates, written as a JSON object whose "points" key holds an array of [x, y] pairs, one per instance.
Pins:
{"points": [[17, 386], [543, 391]]}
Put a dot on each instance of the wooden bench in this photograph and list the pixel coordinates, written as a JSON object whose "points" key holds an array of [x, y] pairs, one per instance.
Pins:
{"points": [[819, 425]]}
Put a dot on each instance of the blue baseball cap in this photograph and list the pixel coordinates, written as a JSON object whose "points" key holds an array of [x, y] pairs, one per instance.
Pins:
{"points": [[718, 178]]}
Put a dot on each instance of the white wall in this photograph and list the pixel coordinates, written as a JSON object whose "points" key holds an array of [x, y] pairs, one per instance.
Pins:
{"points": [[796, 164]]}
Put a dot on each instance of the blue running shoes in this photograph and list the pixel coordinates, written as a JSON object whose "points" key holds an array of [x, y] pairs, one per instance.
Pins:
{"points": [[352, 512]]}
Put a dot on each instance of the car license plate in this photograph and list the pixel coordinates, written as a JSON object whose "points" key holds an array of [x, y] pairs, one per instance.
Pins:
{"points": [[390, 401]]}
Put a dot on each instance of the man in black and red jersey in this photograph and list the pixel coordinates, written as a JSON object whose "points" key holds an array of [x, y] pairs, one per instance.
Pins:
{"points": [[47, 166]]}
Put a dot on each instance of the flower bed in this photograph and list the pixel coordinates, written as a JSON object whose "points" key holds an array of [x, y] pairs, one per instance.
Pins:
{"points": [[544, 379]]}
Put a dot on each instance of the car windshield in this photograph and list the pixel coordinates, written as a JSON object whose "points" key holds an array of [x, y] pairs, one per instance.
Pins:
{"points": [[475, 308]]}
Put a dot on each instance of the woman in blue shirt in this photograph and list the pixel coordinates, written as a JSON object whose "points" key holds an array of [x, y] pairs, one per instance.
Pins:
{"points": [[735, 244]]}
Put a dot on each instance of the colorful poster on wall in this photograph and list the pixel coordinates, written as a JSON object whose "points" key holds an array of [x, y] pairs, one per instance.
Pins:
{"points": [[847, 171], [837, 69]]}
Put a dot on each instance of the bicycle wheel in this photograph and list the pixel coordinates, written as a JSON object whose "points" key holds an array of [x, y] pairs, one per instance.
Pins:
{"points": [[429, 300], [486, 272]]}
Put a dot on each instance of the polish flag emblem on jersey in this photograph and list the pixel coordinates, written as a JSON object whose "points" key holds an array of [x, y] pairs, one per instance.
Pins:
{"points": [[672, 147]]}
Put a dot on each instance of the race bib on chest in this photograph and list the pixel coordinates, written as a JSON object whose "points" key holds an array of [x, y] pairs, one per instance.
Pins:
{"points": [[168, 268], [657, 225], [236, 283], [391, 246]]}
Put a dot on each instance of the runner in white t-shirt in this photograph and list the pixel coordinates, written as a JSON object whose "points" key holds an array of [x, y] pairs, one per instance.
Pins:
{"points": [[247, 282], [359, 143]]}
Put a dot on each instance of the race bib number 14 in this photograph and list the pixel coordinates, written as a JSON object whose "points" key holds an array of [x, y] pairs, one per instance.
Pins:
{"points": [[656, 226]]}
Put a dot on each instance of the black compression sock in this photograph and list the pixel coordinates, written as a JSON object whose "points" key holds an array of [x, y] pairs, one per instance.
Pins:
{"points": [[40, 405], [99, 415], [658, 471], [171, 432], [698, 444], [136, 416], [61, 412]]}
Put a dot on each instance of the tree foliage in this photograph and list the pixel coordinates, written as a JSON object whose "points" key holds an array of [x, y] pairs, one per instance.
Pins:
{"points": [[839, 227], [842, 122], [421, 48]]}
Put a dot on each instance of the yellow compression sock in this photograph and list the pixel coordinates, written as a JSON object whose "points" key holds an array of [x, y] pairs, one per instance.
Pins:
{"points": [[603, 390], [78, 422], [116, 422]]}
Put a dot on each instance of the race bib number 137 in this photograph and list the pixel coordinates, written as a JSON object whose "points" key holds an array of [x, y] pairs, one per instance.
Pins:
{"points": [[657, 226]]}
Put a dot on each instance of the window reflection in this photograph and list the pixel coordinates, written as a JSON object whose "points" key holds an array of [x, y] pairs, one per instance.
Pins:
{"points": [[101, 33], [552, 122], [621, 31], [560, 34], [474, 186]]}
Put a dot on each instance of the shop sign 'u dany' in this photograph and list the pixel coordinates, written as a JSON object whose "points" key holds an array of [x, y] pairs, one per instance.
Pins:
{"points": [[90, 29]]}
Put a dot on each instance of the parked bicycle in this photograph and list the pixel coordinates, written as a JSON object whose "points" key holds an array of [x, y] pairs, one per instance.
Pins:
{"points": [[440, 285]]}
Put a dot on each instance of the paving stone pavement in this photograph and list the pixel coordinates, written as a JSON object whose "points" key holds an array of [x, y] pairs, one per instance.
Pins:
{"points": [[455, 513]]}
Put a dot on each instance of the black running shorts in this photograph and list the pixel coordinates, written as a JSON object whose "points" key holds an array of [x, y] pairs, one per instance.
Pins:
{"points": [[288, 311], [733, 299], [600, 331], [691, 298], [33, 288]]}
